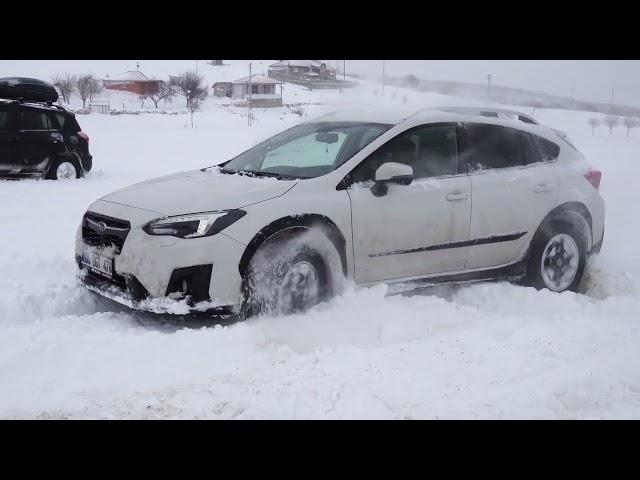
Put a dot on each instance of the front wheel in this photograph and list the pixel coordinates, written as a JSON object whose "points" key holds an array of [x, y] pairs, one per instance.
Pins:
{"points": [[284, 279], [558, 258]]}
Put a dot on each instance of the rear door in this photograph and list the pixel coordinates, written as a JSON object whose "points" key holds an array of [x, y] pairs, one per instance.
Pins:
{"points": [[503, 198], [38, 139], [541, 158], [7, 136]]}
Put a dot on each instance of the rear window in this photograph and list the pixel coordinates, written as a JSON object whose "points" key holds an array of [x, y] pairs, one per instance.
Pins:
{"points": [[67, 122], [547, 150], [490, 146], [529, 149]]}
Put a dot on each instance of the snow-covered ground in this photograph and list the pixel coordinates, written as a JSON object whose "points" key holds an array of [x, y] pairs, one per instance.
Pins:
{"points": [[491, 350]]}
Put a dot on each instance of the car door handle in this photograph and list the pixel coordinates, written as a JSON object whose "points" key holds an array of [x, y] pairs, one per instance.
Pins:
{"points": [[543, 187], [455, 197]]}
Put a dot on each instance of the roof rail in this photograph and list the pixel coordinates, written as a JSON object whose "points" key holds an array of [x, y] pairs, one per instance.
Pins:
{"points": [[484, 112], [23, 100]]}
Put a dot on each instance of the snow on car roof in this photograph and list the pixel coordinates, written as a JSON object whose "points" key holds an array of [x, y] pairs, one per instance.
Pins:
{"points": [[387, 116], [395, 116]]}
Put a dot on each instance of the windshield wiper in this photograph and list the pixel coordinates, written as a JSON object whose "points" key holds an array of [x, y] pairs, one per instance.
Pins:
{"points": [[257, 173]]}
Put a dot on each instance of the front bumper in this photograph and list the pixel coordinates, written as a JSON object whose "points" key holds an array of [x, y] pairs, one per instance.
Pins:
{"points": [[166, 273], [128, 294]]}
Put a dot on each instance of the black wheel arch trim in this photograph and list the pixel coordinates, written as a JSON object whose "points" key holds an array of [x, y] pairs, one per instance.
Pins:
{"points": [[72, 156], [304, 221], [567, 212]]}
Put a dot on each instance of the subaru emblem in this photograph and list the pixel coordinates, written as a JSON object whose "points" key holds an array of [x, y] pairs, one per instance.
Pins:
{"points": [[102, 227]]}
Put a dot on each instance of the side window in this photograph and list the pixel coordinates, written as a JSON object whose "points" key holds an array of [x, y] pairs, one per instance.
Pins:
{"points": [[490, 147], [4, 120], [33, 120], [529, 149], [430, 151], [437, 152], [56, 121], [547, 150]]}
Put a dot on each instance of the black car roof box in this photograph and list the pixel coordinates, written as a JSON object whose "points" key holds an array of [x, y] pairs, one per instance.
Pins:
{"points": [[30, 89]]}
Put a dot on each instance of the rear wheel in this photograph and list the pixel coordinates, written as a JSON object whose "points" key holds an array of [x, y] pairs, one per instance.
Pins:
{"points": [[64, 169], [285, 278], [558, 257]]}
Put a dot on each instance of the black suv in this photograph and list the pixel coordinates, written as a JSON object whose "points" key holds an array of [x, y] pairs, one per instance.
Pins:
{"points": [[38, 138]]}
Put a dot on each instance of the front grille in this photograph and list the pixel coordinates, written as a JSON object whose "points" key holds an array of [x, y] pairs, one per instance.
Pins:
{"points": [[114, 231]]}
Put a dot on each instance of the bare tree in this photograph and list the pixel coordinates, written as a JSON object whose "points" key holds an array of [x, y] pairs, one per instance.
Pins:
{"points": [[95, 88], [298, 111], [593, 123], [630, 122], [192, 87], [193, 106], [611, 121], [65, 83], [88, 86], [165, 92]]}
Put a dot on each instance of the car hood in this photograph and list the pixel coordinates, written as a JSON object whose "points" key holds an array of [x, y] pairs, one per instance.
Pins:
{"points": [[199, 191]]}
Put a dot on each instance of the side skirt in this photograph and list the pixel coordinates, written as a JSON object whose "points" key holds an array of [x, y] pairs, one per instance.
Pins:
{"points": [[512, 273]]}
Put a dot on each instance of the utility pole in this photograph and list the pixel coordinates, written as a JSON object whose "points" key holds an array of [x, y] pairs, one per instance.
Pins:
{"points": [[196, 67], [611, 96], [382, 77], [489, 85], [249, 96], [344, 69]]}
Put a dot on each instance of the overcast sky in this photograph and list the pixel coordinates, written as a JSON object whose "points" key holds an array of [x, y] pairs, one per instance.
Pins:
{"points": [[590, 79]]}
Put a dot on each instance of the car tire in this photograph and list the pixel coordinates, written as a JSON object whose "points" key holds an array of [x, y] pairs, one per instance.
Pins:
{"points": [[558, 256], [284, 278], [64, 168]]}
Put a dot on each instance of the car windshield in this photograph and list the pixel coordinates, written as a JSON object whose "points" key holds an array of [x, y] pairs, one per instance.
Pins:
{"points": [[306, 151]]}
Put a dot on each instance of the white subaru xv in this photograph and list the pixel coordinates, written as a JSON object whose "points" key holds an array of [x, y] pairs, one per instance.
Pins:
{"points": [[443, 195]]}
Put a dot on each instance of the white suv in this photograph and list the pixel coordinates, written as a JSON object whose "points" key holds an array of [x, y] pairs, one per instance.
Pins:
{"points": [[443, 195]]}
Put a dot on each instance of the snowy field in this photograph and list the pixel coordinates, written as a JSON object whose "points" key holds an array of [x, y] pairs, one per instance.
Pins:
{"points": [[490, 350]]}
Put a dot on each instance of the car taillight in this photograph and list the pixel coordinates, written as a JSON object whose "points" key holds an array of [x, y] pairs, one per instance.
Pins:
{"points": [[593, 177], [84, 136]]}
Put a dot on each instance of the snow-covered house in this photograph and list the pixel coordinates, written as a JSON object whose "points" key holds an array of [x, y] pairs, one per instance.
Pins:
{"points": [[132, 81], [312, 69], [262, 89]]}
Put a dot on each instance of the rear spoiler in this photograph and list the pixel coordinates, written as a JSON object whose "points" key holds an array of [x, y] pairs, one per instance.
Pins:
{"points": [[564, 137]]}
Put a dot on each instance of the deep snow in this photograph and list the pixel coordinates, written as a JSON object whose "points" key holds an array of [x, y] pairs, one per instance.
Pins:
{"points": [[490, 350]]}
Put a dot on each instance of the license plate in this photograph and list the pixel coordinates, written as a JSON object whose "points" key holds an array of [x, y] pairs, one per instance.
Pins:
{"points": [[98, 263]]}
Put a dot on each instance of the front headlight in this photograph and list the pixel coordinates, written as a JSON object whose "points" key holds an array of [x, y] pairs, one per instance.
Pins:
{"points": [[194, 225]]}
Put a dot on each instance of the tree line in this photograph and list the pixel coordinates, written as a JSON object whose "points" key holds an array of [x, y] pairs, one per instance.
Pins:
{"points": [[189, 85], [612, 121]]}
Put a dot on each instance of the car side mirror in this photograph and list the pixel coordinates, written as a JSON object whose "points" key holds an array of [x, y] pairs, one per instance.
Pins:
{"points": [[391, 172]]}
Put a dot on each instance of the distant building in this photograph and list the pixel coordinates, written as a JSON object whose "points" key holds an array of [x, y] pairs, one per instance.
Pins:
{"points": [[311, 69], [263, 90], [216, 62], [133, 81]]}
